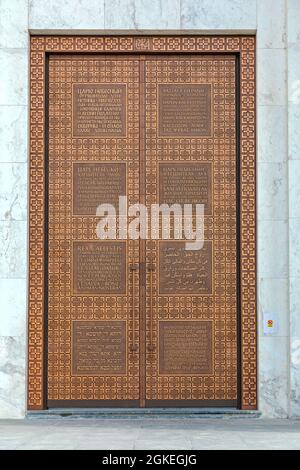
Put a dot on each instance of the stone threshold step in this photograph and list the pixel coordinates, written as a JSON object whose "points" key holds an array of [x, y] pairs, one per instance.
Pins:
{"points": [[136, 413]]}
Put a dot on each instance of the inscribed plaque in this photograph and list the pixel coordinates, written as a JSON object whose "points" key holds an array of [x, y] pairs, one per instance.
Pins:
{"points": [[99, 110], [99, 268], [182, 183], [184, 271], [95, 184], [99, 348], [185, 347], [184, 110]]}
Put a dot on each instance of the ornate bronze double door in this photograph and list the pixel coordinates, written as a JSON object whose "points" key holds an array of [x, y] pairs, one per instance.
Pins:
{"points": [[135, 322]]}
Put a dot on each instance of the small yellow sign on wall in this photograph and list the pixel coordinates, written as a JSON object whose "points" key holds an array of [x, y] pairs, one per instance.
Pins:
{"points": [[271, 325]]}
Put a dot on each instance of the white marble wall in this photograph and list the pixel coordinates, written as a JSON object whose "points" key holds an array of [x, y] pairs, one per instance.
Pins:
{"points": [[13, 204], [293, 63], [272, 194], [277, 23]]}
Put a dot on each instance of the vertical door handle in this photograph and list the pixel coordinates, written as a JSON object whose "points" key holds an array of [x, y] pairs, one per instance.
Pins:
{"points": [[151, 269], [133, 268]]}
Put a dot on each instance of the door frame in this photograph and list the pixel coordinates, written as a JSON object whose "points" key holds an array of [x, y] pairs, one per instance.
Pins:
{"points": [[244, 48]]}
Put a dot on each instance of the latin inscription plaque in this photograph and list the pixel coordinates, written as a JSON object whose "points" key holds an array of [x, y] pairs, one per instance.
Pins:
{"points": [[185, 347], [99, 348], [95, 184], [184, 110], [184, 271], [182, 183], [99, 110], [99, 268]]}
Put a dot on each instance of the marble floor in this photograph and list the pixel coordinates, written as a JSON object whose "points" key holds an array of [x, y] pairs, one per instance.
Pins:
{"points": [[149, 433]]}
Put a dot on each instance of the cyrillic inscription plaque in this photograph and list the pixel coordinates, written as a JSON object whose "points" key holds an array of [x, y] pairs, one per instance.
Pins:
{"points": [[182, 183], [184, 110], [99, 348], [99, 110], [183, 271], [99, 268], [185, 347], [95, 184]]}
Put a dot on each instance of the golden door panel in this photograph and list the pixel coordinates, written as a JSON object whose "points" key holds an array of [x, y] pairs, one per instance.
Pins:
{"points": [[191, 301], [93, 293]]}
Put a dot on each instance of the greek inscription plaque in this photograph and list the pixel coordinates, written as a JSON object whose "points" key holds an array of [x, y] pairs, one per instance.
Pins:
{"points": [[95, 184], [99, 348], [184, 110], [99, 268], [99, 110], [183, 271], [185, 347], [186, 184]]}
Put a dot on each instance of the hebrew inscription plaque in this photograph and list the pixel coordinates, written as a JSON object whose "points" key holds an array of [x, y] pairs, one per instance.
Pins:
{"points": [[99, 110], [99, 268], [183, 271], [184, 110], [95, 184], [185, 347], [186, 184], [99, 348]]}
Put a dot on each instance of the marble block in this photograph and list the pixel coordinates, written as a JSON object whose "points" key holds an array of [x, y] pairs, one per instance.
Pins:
{"points": [[13, 253], [271, 24], [272, 192], [14, 76], [294, 230], [273, 377], [273, 298], [272, 133], [139, 14], [293, 21], [218, 14], [295, 305], [271, 77], [13, 133], [294, 188], [272, 238], [12, 377], [294, 71], [69, 14], [295, 377], [13, 307], [13, 195], [294, 131], [14, 23]]}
